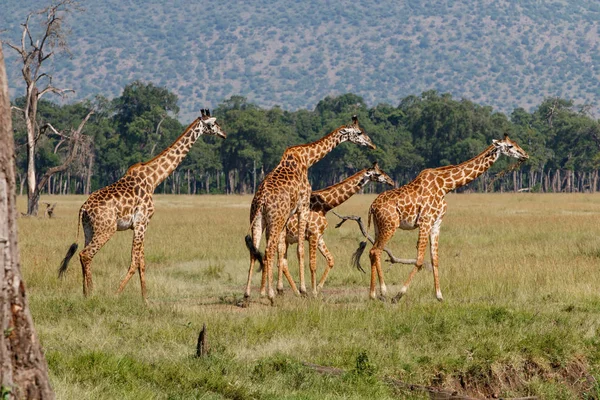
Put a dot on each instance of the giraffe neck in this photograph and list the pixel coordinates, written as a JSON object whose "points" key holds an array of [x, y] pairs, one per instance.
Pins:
{"points": [[160, 167], [459, 175], [334, 195], [313, 152]]}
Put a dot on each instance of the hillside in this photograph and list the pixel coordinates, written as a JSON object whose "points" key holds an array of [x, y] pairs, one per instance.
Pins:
{"points": [[503, 53]]}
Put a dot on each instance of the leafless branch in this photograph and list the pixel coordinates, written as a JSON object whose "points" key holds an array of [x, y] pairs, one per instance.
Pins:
{"points": [[162, 118], [365, 233], [551, 112], [75, 140]]}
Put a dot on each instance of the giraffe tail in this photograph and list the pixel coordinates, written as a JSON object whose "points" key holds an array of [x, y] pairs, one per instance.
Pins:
{"points": [[72, 249], [254, 252], [357, 254]]}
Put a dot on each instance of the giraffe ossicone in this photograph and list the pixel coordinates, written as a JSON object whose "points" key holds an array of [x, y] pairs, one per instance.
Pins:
{"points": [[128, 204]]}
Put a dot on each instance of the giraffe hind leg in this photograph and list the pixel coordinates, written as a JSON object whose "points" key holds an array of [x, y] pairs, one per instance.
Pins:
{"points": [[253, 242], [327, 254], [383, 233], [95, 238]]}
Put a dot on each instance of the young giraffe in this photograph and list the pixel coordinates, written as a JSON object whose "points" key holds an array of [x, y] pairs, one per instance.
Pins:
{"points": [[285, 191], [421, 204], [321, 202], [128, 204]]}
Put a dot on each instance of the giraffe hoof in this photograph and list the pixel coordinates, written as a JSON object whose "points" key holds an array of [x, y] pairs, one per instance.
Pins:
{"points": [[397, 298], [280, 292], [439, 298], [245, 303], [303, 293], [382, 298]]}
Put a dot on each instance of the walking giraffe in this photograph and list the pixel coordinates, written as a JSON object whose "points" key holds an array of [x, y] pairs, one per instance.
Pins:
{"points": [[128, 204], [321, 202], [285, 191], [421, 204]]}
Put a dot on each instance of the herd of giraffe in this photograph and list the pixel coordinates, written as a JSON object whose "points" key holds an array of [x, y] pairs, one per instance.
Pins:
{"points": [[285, 208]]}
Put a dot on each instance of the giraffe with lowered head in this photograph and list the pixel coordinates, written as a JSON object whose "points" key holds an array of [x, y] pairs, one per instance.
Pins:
{"points": [[128, 204], [421, 204], [321, 202], [284, 192]]}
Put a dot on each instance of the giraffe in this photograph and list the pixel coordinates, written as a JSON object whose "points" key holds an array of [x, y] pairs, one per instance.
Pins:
{"points": [[128, 204], [421, 204], [321, 202], [285, 191]]}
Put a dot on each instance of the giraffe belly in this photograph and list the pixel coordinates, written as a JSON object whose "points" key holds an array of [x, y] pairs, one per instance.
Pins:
{"points": [[407, 225], [125, 223]]}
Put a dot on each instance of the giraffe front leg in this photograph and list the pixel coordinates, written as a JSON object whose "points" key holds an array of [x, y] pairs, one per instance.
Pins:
{"points": [[312, 262], [302, 216], [137, 253], [433, 246], [325, 252], [421, 247]]}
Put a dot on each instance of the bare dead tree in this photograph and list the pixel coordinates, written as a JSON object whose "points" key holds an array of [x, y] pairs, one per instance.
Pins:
{"points": [[34, 51], [74, 139], [23, 368]]}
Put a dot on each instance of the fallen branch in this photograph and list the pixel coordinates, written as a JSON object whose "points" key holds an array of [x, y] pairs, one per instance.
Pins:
{"points": [[365, 233]]}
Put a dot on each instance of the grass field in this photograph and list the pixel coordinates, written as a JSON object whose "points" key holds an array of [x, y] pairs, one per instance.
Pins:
{"points": [[520, 274]]}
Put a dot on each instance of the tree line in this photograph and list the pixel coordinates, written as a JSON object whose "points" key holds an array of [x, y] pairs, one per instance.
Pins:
{"points": [[423, 131]]}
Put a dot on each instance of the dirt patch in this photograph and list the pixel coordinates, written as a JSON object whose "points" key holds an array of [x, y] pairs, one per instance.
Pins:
{"points": [[498, 380]]}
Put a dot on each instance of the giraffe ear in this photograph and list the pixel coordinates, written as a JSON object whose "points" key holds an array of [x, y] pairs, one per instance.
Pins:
{"points": [[210, 121], [355, 119], [375, 165], [202, 112]]}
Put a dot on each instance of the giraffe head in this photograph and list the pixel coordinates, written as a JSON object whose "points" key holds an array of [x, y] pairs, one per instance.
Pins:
{"points": [[355, 134], [210, 125], [375, 174], [510, 148]]}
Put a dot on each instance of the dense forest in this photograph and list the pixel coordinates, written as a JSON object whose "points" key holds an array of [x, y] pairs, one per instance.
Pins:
{"points": [[429, 130], [503, 53]]}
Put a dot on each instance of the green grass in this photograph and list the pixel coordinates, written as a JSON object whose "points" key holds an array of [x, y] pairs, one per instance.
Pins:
{"points": [[519, 274]]}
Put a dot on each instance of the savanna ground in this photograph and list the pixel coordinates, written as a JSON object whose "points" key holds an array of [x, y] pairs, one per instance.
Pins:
{"points": [[520, 274]]}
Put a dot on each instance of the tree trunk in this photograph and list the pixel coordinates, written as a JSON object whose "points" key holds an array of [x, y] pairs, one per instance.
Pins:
{"points": [[208, 182], [88, 179], [189, 183], [253, 176], [24, 372]]}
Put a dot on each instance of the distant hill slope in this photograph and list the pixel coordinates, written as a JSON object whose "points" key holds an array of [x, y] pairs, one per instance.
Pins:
{"points": [[503, 53]]}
